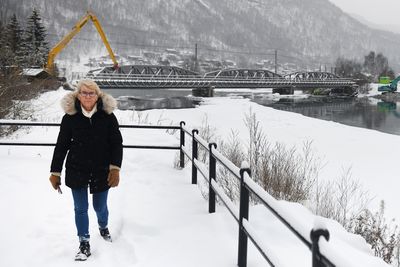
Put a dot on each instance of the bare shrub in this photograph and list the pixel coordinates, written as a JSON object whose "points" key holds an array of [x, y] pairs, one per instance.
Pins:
{"points": [[209, 134], [381, 235], [141, 118], [11, 88], [206, 132], [232, 150], [345, 201], [281, 171], [15, 91], [257, 144], [396, 258], [341, 199]]}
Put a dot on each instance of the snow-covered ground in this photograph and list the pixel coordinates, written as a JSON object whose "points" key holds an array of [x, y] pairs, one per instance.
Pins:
{"points": [[157, 218]]}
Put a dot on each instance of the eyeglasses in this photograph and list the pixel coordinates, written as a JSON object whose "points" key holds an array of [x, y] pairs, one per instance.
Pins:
{"points": [[87, 94]]}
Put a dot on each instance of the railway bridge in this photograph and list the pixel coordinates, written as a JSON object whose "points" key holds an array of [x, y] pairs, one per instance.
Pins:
{"points": [[156, 76]]}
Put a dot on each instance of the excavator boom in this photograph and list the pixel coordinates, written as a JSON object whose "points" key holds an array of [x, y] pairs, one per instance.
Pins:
{"points": [[77, 28]]}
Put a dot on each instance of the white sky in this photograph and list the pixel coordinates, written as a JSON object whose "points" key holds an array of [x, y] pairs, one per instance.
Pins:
{"points": [[383, 12]]}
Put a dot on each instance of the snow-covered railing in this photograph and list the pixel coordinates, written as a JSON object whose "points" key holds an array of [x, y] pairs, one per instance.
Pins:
{"points": [[247, 187], [19, 123]]}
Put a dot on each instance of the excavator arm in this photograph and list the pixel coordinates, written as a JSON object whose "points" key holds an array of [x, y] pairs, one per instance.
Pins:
{"points": [[77, 28]]}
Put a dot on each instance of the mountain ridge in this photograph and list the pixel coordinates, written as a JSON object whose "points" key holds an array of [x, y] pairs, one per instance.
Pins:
{"points": [[309, 32]]}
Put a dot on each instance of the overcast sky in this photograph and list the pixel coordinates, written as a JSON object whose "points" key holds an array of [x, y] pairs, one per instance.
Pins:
{"points": [[383, 12]]}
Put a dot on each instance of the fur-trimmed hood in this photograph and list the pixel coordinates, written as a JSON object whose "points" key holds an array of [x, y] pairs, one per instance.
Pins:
{"points": [[71, 104]]}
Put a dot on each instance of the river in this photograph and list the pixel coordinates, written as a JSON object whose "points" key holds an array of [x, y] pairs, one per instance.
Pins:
{"points": [[365, 112]]}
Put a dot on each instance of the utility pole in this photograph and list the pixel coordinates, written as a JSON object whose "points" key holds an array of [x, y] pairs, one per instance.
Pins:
{"points": [[276, 61], [196, 63]]}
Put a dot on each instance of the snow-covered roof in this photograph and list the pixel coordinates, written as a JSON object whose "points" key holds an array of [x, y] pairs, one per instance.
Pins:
{"points": [[31, 71]]}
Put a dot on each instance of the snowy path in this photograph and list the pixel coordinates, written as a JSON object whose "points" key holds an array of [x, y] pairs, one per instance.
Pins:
{"points": [[157, 217]]}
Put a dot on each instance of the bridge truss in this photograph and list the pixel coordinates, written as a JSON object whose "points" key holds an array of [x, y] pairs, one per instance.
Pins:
{"points": [[153, 76]]}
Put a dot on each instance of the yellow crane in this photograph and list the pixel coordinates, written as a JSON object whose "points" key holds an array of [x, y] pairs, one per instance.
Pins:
{"points": [[77, 28]]}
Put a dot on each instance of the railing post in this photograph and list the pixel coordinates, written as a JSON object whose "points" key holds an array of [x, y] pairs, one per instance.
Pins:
{"points": [[316, 256], [212, 175], [182, 139], [243, 214], [194, 156]]}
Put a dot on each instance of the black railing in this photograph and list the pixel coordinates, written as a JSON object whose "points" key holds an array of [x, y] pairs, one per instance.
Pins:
{"points": [[28, 123], [247, 187]]}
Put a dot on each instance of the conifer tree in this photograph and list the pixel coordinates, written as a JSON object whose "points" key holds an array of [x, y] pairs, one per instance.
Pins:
{"points": [[2, 45], [13, 34], [5, 52], [36, 40], [24, 57], [1, 36]]}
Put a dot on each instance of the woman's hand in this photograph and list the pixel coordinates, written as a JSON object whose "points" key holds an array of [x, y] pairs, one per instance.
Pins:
{"points": [[55, 181], [113, 177]]}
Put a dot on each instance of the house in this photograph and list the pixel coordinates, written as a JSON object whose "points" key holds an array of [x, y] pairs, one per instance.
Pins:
{"points": [[35, 73]]}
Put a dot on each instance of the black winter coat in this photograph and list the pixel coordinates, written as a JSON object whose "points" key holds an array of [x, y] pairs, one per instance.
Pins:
{"points": [[92, 145]]}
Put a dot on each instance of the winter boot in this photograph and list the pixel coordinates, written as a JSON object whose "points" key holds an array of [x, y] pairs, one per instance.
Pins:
{"points": [[84, 251], [105, 234]]}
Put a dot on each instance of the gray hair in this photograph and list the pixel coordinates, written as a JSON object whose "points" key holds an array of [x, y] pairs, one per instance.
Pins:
{"points": [[89, 84]]}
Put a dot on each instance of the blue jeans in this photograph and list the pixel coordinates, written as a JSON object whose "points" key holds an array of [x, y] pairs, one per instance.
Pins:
{"points": [[81, 207]]}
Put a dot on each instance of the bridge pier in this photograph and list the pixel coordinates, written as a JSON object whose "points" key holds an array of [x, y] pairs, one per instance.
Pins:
{"points": [[284, 90], [203, 92]]}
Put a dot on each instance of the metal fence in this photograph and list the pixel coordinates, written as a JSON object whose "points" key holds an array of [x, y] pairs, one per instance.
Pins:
{"points": [[25, 123], [247, 187]]}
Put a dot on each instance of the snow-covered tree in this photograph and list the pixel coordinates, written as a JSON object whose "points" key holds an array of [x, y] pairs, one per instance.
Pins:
{"points": [[13, 34], [35, 38]]}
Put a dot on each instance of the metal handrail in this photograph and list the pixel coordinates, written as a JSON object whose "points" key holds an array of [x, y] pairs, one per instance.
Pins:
{"points": [[32, 123], [247, 186]]}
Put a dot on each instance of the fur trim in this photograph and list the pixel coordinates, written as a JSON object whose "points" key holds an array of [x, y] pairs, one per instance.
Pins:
{"points": [[109, 103], [68, 103]]}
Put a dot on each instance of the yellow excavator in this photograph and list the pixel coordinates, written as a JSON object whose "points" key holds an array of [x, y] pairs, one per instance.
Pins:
{"points": [[77, 28]]}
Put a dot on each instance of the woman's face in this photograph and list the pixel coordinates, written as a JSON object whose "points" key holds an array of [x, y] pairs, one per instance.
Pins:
{"points": [[87, 97]]}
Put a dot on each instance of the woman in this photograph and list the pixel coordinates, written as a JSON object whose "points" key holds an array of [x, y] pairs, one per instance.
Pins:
{"points": [[89, 133]]}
